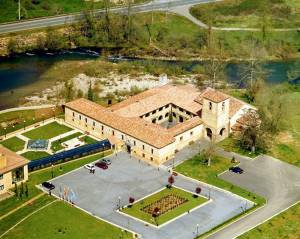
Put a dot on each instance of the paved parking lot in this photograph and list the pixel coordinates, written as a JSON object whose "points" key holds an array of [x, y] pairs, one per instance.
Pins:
{"points": [[275, 180], [99, 194]]}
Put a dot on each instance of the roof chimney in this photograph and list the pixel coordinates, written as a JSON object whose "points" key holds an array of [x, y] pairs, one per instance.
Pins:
{"points": [[3, 161]]}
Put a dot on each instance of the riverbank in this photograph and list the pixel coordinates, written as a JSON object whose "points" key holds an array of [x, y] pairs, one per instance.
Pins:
{"points": [[167, 36]]}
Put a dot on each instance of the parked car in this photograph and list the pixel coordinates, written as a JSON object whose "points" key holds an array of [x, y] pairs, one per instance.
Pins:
{"points": [[48, 185], [89, 166], [236, 170], [101, 165], [107, 161]]}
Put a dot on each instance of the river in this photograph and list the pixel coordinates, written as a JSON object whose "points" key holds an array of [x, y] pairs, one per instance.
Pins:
{"points": [[20, 75]]}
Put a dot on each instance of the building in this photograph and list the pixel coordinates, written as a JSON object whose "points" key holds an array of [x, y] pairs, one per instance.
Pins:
{"points": [[13, 169], [157, 123]]}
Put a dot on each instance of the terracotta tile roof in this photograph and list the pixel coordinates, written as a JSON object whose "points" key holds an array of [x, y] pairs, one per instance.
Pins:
{"points": [[214, 95], [138, 128], [13, 160], [124, 116], [187, 125], [182, 96]]}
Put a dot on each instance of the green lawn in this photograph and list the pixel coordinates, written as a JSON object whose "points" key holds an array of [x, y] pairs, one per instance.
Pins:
{"points": [[231, 145], [136, 209], [88, 140], [250, 13], [47, 131], [14, 144], [44, 175], [284, 225], [33, 155], [15, 120], [195, 168], [60, 220], [56, 145]]}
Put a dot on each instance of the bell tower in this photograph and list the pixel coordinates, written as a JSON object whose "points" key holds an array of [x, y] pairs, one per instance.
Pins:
{"points": [[215, 115]]}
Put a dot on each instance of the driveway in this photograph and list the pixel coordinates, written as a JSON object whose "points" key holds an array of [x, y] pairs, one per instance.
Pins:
{"points": [[273, 179], [99, 194]]}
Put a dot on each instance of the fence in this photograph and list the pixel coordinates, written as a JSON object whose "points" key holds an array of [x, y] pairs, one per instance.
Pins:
{"points": [[69, 155]]}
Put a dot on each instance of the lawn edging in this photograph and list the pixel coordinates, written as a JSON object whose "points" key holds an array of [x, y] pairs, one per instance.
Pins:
{"points": [[169, 221]]}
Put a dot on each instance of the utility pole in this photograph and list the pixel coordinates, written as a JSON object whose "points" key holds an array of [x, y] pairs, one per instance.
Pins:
{"points": [[19, 10]]}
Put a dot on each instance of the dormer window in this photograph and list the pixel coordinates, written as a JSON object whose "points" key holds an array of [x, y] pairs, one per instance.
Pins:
{"points": [[223, 106], [210, 105]]}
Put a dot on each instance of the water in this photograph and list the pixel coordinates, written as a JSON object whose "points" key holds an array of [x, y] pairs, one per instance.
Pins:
{"points": [[20, 76]]}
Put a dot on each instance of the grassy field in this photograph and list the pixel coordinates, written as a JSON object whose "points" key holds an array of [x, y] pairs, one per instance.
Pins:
{"points": [[88, 140], [56, 145], [231, 145], [14, 144], [47, 131], [60, 220], [195, 168], [250, 13], [15, 120], [44, 175], [44, 8], [284, 225], [136, 209], [33, 155], [286, 145]]}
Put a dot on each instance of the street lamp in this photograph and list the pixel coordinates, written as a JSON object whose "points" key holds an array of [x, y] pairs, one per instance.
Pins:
{"points": [[24, 123], [43, 118], [4, 132], [119, 202], [53, 109], [197, 230]]}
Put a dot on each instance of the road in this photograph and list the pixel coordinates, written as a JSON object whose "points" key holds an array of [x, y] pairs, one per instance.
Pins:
{"points": [[157, 5], [275, 180]]}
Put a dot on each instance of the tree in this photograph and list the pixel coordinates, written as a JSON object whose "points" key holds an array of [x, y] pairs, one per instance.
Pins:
{"points": [[171, 180], [198, 190], [12, 46], [26, 190], [131, 201], [252, 135], [209, 152], [16, 190], [90, 92], [69, 90]]}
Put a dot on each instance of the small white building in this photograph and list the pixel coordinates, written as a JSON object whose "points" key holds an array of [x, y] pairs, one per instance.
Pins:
{"points": [[156, 123]]}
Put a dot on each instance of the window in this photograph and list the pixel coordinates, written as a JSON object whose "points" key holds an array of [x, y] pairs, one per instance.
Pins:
{"points": [[152, 151], [134, 143], [210, 105], [143, 155], [180, 109], [191, 133], [154, 121], [161, 108], [85, 120], [174, 115], [167, 115], [113, 132], [1, 187], [102, 127], [143, 147], [222, 131], [1, 176], [94, 123], [122, 137], [147, 114], [73, 114], [154, 111], [151, 158], [181, 138], [223, 106], [79, 117], [160, 117]]}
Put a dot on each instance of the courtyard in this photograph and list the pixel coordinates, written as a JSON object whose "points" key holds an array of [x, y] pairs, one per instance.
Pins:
{"points": [[45, 138], [103, 193]]}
